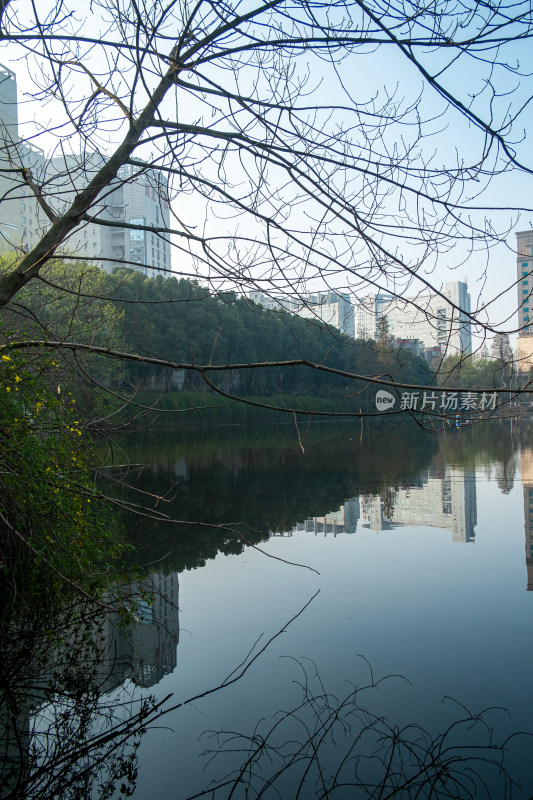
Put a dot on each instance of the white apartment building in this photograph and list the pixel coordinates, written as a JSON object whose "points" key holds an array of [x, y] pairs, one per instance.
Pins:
{"points": [[524, 280], [20, 216], [136, 199], [524, 286], [278, 303], [426, 317], [329, 307], [146, 203], [368, 311]]}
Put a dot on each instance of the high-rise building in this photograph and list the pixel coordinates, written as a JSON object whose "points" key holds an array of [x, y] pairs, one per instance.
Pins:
{"points": [[333, 308], [20, 216], [114, 235], [9, 208], [524, 285], [435, 320], [277, 303], [330, 307], [368, 312], [146, 203], [524, 279], [137, 199]]}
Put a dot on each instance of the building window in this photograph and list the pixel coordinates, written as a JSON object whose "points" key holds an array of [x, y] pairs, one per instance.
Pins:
{"points": [[137, 235], [524, 263]]}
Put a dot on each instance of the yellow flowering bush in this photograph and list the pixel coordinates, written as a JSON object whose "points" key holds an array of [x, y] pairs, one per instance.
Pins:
{"points": [[49, 528]]}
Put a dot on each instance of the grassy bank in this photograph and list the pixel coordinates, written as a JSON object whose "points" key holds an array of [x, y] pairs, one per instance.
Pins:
{"points": [[185, 409]]}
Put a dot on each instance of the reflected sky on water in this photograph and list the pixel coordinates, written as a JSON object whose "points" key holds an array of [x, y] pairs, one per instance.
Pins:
{"points": [[419, 542], [421, 548]]}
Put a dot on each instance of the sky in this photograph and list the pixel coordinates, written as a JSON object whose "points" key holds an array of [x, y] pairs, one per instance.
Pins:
{"points": [[364, 77]]}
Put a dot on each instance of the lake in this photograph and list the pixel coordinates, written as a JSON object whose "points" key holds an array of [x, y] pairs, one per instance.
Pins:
{"points": [[376, 581]]}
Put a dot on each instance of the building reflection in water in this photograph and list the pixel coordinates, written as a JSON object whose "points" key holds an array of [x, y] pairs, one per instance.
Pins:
{"points": [[142, 648], [446, 500], [94, 659], [344, 520], [526, 464]]}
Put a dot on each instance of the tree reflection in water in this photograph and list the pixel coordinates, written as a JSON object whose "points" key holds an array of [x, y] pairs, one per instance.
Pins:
{"points": [[73, 701], [326, 747]]}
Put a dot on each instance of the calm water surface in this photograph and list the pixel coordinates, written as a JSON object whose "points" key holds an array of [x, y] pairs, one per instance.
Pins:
{"points": [[418, 545]]}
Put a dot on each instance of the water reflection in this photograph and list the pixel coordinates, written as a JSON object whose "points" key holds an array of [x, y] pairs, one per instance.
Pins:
{"points": [[436, 500], [439, 501], [343, 520], [141, 642], [64, 720], [263, 487], [526, 463], [58, 694]]}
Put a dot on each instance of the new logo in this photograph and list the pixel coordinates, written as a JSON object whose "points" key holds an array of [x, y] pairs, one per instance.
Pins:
{"points": [[384, 400]]}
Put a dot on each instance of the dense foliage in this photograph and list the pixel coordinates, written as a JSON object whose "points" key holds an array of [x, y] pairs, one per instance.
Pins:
{"points": [[53, 531], [178, 320], [456, 372]]}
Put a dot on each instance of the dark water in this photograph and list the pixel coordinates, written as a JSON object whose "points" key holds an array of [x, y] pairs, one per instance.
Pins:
{"points": [[419, 547]]}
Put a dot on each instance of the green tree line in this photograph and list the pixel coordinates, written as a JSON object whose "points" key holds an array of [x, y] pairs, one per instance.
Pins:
{"points": [[179, 320]]}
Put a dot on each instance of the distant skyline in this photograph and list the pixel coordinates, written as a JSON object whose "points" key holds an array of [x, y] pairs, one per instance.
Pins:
{"points": [[490, 274]]}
